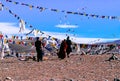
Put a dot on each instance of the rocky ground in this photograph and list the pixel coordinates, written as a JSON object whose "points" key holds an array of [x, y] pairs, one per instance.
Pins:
{"points": [[75, 68]]}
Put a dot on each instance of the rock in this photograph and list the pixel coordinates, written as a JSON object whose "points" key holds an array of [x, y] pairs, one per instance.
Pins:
{"points": [[51, 80], [116, 79], [8, 79]]}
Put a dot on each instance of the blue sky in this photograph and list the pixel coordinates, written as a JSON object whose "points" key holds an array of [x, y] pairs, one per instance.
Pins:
{"points": [[47, 20]]}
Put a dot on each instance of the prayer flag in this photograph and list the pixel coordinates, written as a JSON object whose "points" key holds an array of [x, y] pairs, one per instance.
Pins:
{"points": [[22, 26]]}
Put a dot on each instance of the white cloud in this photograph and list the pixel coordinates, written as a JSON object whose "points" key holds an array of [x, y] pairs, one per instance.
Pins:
{"points": [[66, 26], [10, 28]]}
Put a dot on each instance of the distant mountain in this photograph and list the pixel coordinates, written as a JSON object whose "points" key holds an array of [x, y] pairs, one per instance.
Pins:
{"points": [[111, 42], [117, 41]]}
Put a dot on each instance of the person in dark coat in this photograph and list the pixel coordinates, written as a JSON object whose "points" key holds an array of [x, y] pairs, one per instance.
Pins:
{"points": [[62, 51], [38, 45], [69, 43]]}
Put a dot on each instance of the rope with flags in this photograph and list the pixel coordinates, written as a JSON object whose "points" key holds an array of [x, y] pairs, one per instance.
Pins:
{"points": [[22, 22], [35, 31], [22, 27], [64, 11]]}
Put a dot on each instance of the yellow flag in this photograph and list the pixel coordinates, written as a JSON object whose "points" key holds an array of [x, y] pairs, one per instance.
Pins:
{"points": [[14, 2], [30, 7], [18, 42], [5, 41]]}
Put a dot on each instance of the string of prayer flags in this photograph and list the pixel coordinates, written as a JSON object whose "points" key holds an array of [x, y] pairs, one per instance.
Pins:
{"points": [[29, 32], [68, 12], [22, 24]]}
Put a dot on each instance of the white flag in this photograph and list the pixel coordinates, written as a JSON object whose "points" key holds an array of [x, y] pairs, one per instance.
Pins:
{"points": [[22, 26], [35, 32], [1, 8]]}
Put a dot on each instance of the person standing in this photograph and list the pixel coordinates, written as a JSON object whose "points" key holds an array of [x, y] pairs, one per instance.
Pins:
{"points": [[38, 45], [69, 43], [62, 51]]}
